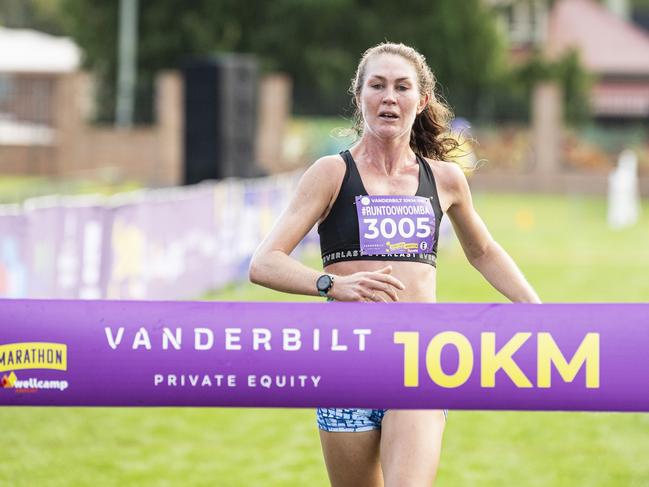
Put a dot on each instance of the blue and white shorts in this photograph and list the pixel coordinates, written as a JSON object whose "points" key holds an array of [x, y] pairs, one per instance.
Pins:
{"points": [[351, 419]]}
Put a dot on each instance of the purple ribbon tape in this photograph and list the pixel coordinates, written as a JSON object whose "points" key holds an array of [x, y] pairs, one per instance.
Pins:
{"points": [[590, 357]]}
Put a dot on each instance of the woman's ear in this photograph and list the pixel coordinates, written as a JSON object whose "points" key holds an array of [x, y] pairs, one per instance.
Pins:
{"points": [[423, 101]]}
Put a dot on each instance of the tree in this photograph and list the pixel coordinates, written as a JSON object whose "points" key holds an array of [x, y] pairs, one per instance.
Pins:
{"points": [[317, 42], [43, 15], [568, 72]]}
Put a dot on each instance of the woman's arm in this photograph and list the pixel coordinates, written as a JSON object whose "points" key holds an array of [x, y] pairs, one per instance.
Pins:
{"points": [[271, 265], [482, 251]]}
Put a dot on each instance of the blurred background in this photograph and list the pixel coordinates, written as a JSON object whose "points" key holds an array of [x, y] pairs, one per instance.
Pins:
{"points": [[147, 147]]}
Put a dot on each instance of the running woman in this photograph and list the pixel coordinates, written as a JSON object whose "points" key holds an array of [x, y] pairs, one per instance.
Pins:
{"points": [[401, 153]]}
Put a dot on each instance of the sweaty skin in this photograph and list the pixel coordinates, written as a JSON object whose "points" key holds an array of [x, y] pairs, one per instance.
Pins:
{"points": [[387, 166], [417, 278]]}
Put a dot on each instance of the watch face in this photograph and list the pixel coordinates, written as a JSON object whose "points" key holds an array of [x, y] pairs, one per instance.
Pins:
{"points": [[324, 283]]}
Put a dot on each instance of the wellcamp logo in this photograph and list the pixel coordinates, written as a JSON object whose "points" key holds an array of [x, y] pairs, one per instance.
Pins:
{"points": [[8, 381], [32, 384], [32, 355]]}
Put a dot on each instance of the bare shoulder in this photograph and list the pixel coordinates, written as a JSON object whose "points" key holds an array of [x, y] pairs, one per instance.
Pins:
{"points": [[331, 165], [447, 174], [323, 177], [326, 170], [450, 180]]}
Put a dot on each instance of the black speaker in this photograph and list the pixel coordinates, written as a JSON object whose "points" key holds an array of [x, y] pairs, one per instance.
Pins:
{"points": [[219, 108]]}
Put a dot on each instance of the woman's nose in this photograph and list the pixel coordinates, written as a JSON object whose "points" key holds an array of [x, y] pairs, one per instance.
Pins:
{"points": [[389, 96]]}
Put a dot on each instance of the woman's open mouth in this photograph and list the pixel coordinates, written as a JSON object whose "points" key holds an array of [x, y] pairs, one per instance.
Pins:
{"points": [[388, 116]]}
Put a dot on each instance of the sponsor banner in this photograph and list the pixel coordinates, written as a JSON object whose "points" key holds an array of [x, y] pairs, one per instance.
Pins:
{"points": [[44, 242], [78, 261], [14, 265], [590, 357], [33, 355], [170, 243]]}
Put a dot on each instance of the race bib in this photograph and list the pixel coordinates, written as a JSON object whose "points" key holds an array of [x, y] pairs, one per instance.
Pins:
{"points": [[395, 224]]}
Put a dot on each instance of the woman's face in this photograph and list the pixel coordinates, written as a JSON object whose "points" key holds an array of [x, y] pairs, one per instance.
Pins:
{"points": [[390, 98]]}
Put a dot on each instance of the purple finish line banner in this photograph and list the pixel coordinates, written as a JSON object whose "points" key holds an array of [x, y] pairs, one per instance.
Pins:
{"points": [[591, 357]]}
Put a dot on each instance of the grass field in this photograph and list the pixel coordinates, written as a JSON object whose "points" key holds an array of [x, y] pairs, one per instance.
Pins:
{"points": [[566, 250]]}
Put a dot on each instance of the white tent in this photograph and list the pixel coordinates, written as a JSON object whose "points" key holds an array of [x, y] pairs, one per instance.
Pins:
{"points": [[24, 50]]}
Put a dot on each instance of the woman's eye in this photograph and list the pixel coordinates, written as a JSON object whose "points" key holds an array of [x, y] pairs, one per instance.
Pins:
{"points": [[377, 86], [402, 88]]}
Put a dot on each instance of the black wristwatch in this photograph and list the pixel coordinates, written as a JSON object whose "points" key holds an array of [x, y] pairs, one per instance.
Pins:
{"points": [[324, 284]]}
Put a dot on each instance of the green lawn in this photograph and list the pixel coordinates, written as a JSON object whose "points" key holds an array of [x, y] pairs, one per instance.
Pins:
{"points": [[566, 250]]}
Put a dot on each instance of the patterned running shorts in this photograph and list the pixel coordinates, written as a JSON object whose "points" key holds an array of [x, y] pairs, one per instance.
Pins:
{"points": [[351, 419]]}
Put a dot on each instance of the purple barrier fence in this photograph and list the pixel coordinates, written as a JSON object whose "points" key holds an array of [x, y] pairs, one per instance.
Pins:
{"points": [[13, 250], [173, 243], [65, 240], [589, 357]]}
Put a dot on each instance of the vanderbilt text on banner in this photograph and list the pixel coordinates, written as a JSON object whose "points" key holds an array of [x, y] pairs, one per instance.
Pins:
{"points": [[457, 356]]}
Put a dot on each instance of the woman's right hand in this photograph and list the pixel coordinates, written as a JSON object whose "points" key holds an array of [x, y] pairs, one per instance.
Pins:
{"points": [[377, 286]]}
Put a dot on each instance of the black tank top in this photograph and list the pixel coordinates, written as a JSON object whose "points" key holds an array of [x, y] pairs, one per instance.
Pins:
{"points": [[339, 239]]}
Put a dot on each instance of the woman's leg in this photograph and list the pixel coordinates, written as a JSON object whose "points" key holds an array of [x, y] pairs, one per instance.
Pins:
{"points": [[411, 442], [352, 459]]}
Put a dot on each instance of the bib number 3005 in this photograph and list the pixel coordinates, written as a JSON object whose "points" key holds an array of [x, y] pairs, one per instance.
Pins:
{"points": [[395, 224], [404, 228]]}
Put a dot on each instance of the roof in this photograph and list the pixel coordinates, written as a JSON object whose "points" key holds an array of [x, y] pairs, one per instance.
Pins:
{"points": [[31, 51], [607, 44]]}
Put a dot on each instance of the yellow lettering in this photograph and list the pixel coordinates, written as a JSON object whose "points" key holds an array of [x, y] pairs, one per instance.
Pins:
{"points": [[492, 361], [548, 353], [33, 355], [434, 362], [410, 342]]}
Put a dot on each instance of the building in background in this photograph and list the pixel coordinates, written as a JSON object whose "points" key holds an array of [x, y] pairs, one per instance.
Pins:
{"points": [[611, 47], [30, 66], [525, 23], [47, 110]]}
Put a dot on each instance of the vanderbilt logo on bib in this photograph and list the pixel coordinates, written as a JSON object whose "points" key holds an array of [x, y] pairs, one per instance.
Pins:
{"points": [[395, 224]]}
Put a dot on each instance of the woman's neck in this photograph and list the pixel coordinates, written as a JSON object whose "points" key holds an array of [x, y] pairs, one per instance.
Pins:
{"points": [[389, 156]]}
